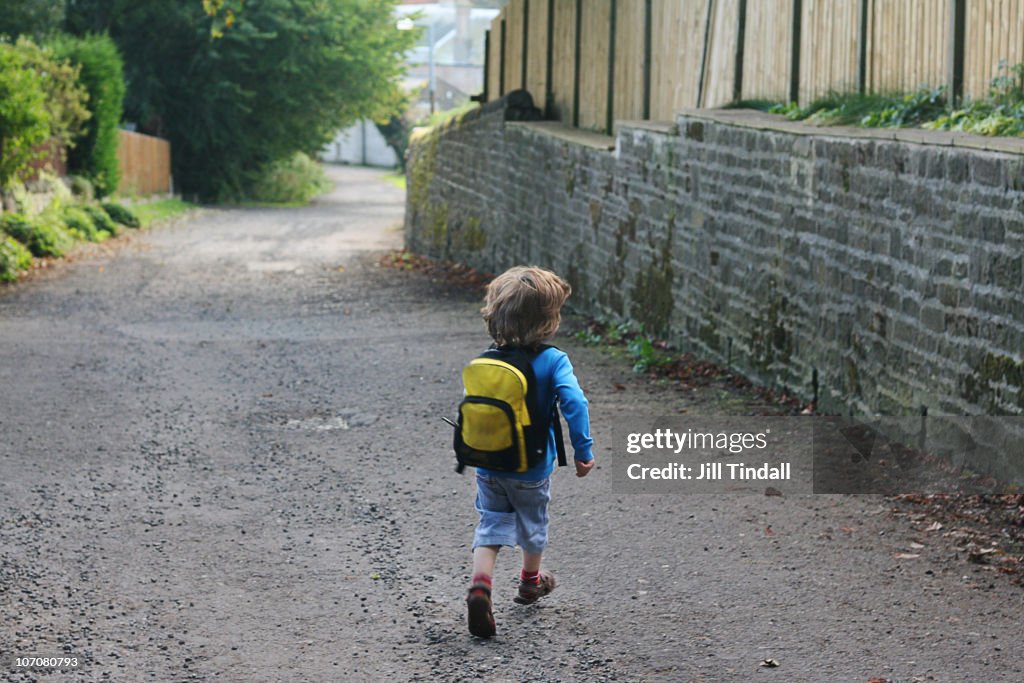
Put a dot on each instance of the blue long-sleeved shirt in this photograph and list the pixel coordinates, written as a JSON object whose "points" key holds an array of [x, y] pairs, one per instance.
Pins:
{"points": [[555, 378]]}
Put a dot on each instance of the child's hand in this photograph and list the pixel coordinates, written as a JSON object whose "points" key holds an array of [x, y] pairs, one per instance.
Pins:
{"points": [[583, 468]]}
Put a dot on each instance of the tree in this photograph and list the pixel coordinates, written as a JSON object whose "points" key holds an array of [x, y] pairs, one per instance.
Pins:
{"points": [[284, 79], [102, 75], [65, 96], [24, 119], [35, 18]]}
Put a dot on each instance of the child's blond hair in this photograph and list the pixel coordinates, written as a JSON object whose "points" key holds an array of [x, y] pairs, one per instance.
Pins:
{"points": [[523, 306]]}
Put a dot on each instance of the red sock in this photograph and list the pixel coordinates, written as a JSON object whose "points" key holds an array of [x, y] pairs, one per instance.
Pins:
{"points": [[482, 579], [530, 577]]}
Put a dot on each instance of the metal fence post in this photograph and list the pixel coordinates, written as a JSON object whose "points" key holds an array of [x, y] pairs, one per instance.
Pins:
{"points": [[704, 53], [487, 64], [501, 70], [576, 68], [862, 48], [526, 43], [609, 112], [957, 35], [647, 61], [549, 73], [741, 30], [794, 54]]}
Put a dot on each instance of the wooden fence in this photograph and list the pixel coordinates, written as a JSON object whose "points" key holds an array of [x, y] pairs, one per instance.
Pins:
{"points": [[591, 62], [145, 163]]}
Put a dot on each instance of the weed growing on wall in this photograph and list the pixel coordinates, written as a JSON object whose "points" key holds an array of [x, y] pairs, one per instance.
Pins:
{"points": [[1000, 113]]}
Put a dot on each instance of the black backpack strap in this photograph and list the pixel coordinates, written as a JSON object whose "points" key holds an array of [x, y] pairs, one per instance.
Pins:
{"points": [[559, 440]]}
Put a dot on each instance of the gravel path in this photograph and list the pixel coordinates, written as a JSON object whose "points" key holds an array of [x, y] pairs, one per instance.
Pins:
{"points": [[222, 459]]}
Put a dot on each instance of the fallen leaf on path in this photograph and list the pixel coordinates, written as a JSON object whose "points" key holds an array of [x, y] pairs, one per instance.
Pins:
{"points": [[978, 556], [619, 387], [906, 556], [772, 491], [915, 546], [936, 526]]}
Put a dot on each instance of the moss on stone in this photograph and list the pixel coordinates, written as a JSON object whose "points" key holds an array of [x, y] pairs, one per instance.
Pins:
{"points": [[473, 237], [595, 213], [770, 341], [652, 295], [422, 162], [708, 334], [570, 180], [437, 230], [982, 385]]}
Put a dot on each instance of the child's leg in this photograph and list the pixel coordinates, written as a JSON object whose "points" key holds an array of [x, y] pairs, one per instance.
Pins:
{"points": [[496, 528], [484, 558], [530, 499], [531, 562]]}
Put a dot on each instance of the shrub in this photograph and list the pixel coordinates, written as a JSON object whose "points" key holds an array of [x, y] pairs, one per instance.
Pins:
{"points": [[14, 258], [121, 214], [44, 235], [65, 97], [24, 119], [102, 75], [297, 179], [101, 220], [81, 225], [81, 188]]}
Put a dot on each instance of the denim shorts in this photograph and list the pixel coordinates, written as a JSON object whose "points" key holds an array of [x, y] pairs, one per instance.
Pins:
{"points": [[512, 512]]}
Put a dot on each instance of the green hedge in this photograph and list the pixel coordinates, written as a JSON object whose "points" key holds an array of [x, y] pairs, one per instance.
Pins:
{"points": [[14, 258], [102, 74], [101, 220], [121, 214], [24, 119], [43, 235]]}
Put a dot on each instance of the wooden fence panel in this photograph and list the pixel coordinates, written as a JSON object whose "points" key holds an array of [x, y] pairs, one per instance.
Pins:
{"points": [[828, 48], [994, 34], [494, 60], [720, 71], [563, 61], [514, 56], [908, 44], [593, 97], [693, 45], [145, 163], [537, 60], [629, 60], [769, 26], [677, 44]]}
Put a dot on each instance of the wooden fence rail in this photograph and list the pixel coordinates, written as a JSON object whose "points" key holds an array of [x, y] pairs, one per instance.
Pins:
{"points": [[145, 163], [591, 62]]}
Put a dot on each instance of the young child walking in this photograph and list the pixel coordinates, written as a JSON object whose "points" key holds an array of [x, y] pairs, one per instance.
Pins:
{"points": [[522, 309]]}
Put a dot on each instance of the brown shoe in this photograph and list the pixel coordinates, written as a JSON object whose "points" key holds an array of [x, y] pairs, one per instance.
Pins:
{"points": [[478, 608], [531, 592]]}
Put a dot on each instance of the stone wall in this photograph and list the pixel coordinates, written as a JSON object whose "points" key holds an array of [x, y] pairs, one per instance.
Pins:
{"points": [[879, 272]]}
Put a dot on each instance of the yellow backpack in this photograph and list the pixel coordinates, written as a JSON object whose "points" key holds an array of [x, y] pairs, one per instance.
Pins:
{"points": [[500, 426]]}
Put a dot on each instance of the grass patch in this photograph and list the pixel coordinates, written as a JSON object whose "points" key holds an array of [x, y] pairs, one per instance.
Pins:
{"points": [[999, 113], [397, 179], [290, 182], [439, 117], [869, 110], [161, 210], [253, 204]]}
